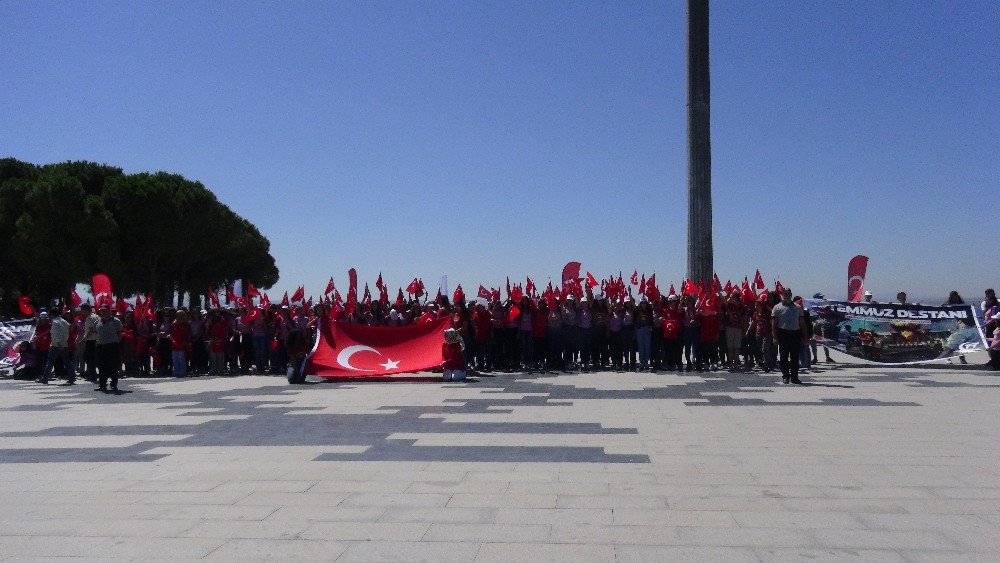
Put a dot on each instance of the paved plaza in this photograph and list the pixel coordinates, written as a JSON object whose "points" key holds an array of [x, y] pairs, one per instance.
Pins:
{"points": [[862, 463]]}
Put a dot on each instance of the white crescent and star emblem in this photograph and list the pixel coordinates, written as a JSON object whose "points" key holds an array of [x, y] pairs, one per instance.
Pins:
{"points": [[344, 358]]}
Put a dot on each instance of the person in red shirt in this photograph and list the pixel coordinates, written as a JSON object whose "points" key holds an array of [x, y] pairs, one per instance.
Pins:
{"points": [[709, 338], [735, 326], [451, 351], [673, 324], [180, 342], [218, 337]]}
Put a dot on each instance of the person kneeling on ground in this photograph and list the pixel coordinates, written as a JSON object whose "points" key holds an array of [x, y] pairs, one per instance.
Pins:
{"points": [[451, 350]]}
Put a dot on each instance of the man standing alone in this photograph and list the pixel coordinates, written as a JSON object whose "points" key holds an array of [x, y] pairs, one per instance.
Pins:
{"points": [[109, 334], [789, 330]]}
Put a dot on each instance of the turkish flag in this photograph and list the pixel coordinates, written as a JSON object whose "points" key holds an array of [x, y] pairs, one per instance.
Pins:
{"points": [[414, 287], [367, 299], [748, 294], [484, 293], [459, 295], [352, 290], [100, 286], [495, 295], [264, 301], [75, 299], [251, 290], [299, 294], [24, 304], [856, 270], [351, 350], [571, 272], [634, 280], [591, 280], [778, 287], [212, 295], [121, 306], [284, 300], [329, 287], [514, 313], [529, 287], [671, 292], [758, 281], [399, 298]]}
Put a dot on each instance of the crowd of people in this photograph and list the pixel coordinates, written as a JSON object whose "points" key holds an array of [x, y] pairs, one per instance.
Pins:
{"points": [[590, 333]]}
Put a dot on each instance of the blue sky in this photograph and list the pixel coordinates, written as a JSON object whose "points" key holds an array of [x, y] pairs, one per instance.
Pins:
{"points": [[480, 139]]}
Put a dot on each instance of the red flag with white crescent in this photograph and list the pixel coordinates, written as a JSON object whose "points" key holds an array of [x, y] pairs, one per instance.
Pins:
{"points": [[352, 290], [351, 350], [856, 271], [100, 286], [571, 271]]}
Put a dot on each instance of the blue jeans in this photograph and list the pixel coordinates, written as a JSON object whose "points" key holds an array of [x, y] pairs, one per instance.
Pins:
{"points": [[642, 338], [260, 352], [180, 363], [691, 335]]}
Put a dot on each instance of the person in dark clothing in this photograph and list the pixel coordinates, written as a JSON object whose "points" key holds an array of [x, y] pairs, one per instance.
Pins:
{"points": [[789, 330]]}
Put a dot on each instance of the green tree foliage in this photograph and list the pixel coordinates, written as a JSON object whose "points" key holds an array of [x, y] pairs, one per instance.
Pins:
{"points": [[158, 233]]}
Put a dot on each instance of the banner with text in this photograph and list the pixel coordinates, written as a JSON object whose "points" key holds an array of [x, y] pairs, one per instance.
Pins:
{"points": [[896, 334], [12, 334]]}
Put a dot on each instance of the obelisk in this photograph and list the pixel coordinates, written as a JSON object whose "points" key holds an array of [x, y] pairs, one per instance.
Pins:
{"points": [[699, 251]]}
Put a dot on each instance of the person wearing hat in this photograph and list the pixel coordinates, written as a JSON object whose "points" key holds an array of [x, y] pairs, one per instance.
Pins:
{"points": [[42, 341], [868, 298], [90, 320], [819, 334], [108, 337], [451, 351], [672, 326], [570, 333]]}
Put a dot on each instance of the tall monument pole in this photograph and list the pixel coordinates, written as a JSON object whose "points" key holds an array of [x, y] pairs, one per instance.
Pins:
{"points": [[699, 254]]}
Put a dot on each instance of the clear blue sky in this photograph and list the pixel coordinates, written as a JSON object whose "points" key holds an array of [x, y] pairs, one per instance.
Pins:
{"points": [[481, 139]]}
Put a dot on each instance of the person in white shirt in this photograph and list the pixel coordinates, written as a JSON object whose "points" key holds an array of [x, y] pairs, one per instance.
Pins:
{"points": [[59, 349]]}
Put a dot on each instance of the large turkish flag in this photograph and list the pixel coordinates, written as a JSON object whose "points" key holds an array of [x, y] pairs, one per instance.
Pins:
{"points": [[350, 350], [856, 277]]}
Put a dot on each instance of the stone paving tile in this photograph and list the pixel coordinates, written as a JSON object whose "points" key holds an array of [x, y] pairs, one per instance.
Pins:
{"points": [[276, 549], [367, 531], [802, 554], [554, 553], [410, 551], [159, 548], [447, 514], [882, 464], [683, 553]]}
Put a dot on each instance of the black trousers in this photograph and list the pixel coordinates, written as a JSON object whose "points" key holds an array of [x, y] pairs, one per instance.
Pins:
{"points": [[672, 350], [90, 358], [109, 363], [789, 350]]}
